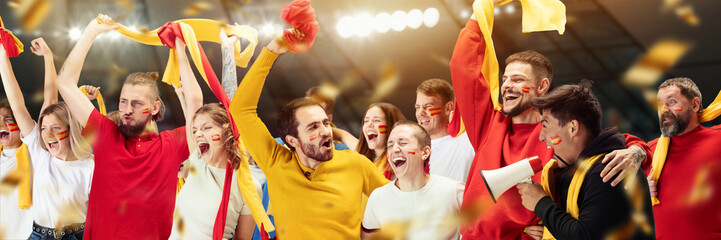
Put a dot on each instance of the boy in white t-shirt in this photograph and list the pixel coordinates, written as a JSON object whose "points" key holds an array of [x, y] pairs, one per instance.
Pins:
{"points": [[426, 204]]}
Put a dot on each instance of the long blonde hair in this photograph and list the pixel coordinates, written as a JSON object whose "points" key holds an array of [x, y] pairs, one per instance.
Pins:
{"points": [[79, 147]]}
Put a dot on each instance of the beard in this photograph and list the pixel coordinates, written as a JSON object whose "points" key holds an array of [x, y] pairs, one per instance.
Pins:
{"points": [[518, 109], [314, 152], [131, 130], [677, 125]]}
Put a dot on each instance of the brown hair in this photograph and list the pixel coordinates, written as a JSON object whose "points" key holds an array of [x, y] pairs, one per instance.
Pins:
{"points": [[314, 93], [287, 123], [569, 102], [5, 104], [148, 79], [438, 87], [79, 147], [687, 87], [421, 134], [216, 112], [540, 64], [392, 115]]}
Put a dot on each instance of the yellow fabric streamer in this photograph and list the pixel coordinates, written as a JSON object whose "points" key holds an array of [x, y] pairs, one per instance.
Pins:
{"points": [[25, 193], [195, 30], [18, 44], [101, 103], [659, 155], [209, 30], [574, 189], [538, 15]]}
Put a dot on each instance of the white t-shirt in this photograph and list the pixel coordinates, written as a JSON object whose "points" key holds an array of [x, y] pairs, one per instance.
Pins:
{"points": [[429, 210], [198, 202], [60, 188], [452, 157], [15, 223]]}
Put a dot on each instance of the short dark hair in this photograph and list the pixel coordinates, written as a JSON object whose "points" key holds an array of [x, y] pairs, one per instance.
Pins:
{"points": [[687, 87], [569, 102], [438, 87], [316, 94], [540, 64], [287, 123], [421, 135]]}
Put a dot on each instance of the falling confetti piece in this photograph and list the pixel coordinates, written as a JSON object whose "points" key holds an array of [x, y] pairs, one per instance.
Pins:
{"points": [[31, 13], [687, 14], [349, 80], [123, 207], [670, 4], [471, 212], [328, 90], [649, 94], [128, 5], [701, 190], [11, 181], [68, 215], [389, 80], [197, 8], [655, 62], [179, 222], [392, 231], [440, 59]]}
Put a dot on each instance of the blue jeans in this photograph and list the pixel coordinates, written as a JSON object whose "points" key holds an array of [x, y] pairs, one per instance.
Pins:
{"points": [[44, 233]]}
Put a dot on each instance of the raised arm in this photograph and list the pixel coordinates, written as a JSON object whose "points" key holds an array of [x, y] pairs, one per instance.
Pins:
{"points": [[14, 95], [79, 105], [345, 137], [191, 91], [472, 92], [263, 147], [230, 77], [50, 91]]}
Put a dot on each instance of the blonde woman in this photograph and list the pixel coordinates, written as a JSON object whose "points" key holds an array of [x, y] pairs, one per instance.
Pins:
{"points": [[61, 159]]}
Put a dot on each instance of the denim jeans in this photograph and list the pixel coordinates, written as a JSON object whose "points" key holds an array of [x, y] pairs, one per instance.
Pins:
{"points": [[44, 233]]}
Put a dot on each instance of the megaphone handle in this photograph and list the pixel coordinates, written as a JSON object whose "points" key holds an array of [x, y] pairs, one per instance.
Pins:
{"points": [[527, 180]]}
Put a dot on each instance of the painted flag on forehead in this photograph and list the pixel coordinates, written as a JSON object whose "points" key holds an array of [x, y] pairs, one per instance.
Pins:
{"points": [[434, 111], [13, 127], [659, 156], [382, 129]]}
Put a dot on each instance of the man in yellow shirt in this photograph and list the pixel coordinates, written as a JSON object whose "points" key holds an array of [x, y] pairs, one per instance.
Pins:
{"points": [[315, 190]]}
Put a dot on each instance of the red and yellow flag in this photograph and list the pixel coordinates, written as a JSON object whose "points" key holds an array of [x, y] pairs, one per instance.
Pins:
{"points": [[434, 111], [556, 140], [147, 110], [412, 152], [62, 135], [13, 127], [526, 89], [216, 137], [382, 129]]}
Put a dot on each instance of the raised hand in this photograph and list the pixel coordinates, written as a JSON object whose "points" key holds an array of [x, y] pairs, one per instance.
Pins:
{"points": [[226, 40], [95, 28], [92, 91], [40, 48]]}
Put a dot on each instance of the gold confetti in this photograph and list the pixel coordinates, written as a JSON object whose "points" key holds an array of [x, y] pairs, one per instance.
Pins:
{"points": [[701, 190], [329, 90], [67, 216], [389, 80], [655, 62], [123, 206], [197, 8], [687, 14], [349, 80], [440, 59], [649, 94], [392, 231], [179, 222], [472, 212], [11, 181], [670, 4], [128, 5], [31, 13]]}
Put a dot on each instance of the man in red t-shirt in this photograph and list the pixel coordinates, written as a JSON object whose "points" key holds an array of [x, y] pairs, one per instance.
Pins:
{"points": [[689, 185], [134, 183], [503, 137]]}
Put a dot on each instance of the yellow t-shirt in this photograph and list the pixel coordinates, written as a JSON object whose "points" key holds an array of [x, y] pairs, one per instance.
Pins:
{"points": [[325, 205]]}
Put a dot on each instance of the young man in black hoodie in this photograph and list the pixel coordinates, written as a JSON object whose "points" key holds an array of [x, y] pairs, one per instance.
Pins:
{"points": [[574, 202]]}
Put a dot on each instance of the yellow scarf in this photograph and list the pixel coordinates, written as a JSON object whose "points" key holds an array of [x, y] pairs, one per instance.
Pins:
{"points": [[538, 15], [209, 30], [574, 189], [101, 103], [659, 156], [25, 194], [195, 30]]}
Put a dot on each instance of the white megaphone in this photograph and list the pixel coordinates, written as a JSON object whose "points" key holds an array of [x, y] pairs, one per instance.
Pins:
{"points": [[499, 180]]}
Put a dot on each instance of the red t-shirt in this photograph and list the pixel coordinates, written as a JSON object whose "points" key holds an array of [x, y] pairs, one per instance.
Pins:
{"points": [[689, 188], [133, 188]]}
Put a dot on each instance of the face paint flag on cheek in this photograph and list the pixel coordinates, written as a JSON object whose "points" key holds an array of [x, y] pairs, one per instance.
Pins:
{"points": [[216, 137], [146, 111], [556, 140], [526, 89], [313, 137], [62, 135], [412, 152], [382, 129], [678, 109], [13, 127], [434, 111]]}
